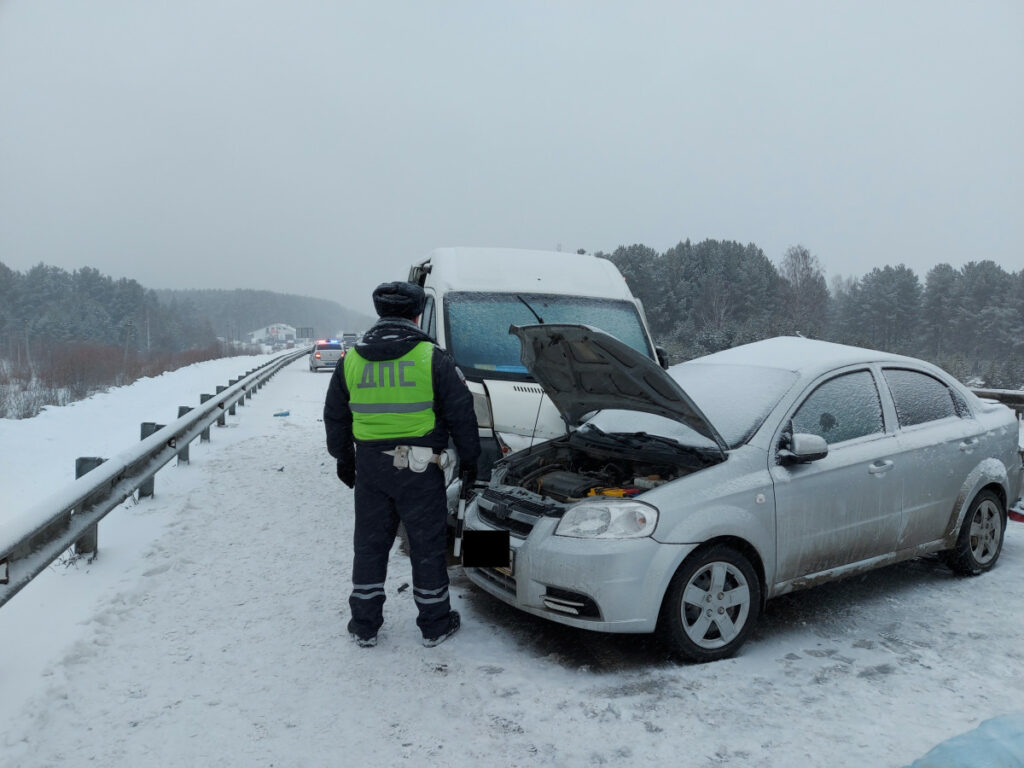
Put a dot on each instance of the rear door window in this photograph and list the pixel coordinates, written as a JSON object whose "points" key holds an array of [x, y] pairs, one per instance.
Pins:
{"points": [[919, 398]]}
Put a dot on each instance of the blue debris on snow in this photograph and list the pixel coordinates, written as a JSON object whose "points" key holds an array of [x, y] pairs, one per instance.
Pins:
{"points": [[283, 413], [996, 743]]}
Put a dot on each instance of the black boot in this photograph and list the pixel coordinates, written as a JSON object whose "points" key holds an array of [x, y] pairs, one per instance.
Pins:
{"points": [[454, 622]]}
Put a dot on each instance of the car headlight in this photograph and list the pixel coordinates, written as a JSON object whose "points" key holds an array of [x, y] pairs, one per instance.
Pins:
{"points": [[608, 520]]}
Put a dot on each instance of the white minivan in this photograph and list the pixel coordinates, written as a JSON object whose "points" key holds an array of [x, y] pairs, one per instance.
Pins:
{"points": [[473, 296]]}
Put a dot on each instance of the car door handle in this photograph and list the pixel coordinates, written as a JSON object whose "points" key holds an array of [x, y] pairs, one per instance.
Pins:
{"points": [[880, 467], [970, 444]]}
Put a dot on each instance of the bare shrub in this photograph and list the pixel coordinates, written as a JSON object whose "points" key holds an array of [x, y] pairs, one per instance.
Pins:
{"points": [[66, 371], [81, 369]]}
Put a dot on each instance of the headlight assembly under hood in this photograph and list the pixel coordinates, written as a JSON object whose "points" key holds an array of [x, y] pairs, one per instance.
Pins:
{"points": [[612, 519]]}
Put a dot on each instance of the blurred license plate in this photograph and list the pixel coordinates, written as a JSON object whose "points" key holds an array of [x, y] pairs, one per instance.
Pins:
{"points": [[511, 564]]}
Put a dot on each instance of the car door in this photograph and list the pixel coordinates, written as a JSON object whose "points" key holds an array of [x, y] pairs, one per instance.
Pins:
{"points": [[845, 507], [939, 442]]}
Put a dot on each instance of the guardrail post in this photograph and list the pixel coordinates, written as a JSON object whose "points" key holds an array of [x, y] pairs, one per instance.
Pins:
{"points": [[147, 429], [220, 419], [183, 453], [89, 542], [231, 408], [204, 436], [241, 400]]}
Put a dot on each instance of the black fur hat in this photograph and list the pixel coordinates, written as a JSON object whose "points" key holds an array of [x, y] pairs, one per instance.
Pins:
{"points": [[399, 300]]}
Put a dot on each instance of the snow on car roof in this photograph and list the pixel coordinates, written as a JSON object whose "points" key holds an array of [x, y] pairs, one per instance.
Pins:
{"points": [[525, 271], [795, 353]]}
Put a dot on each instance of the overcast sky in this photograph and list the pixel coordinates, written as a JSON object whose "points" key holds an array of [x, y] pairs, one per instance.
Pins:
{"points": [[320, 147]]}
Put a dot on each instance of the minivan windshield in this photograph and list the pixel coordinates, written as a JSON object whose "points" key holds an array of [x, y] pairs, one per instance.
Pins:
{"points": [[478, 323]]}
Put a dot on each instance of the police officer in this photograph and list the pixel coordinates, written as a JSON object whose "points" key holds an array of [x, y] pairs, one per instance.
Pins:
{"points": [[396, 394]]}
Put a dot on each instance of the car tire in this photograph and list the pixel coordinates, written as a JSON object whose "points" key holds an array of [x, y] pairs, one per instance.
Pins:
{"points": [[711, 605], [981, 536]]}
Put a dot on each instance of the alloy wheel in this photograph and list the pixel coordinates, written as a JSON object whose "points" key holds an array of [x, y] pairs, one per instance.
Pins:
{"points": [[986, 530], [715, 605]]}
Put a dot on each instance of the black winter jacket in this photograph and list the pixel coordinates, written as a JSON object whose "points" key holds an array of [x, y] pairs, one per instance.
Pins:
{"points": [[390, 338]]}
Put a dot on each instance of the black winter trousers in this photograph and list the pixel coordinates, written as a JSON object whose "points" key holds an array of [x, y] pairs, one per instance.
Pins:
{"points": [[383, 497]]}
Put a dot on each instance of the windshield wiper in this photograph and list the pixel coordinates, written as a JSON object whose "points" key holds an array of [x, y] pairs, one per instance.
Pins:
{"points": [[532, 310], [597, 435], [642, 439]]}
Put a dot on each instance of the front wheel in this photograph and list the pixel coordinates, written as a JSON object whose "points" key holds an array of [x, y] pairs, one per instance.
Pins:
{"points": [[711, 605], [981, 536]]}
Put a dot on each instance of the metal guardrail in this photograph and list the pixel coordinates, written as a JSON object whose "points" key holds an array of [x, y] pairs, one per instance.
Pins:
{"points": [[35, 538], [1014, 398]]}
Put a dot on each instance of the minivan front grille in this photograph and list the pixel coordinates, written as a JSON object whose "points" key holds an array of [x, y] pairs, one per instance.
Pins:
{"points": [[533, 390]]}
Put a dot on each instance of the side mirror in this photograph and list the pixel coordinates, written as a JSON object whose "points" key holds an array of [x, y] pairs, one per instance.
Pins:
{"points": [[803, 449], [662, 356]]}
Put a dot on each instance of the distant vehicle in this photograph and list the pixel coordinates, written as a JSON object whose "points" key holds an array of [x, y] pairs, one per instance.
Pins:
{"points": [[475, 294], [325, 355], [350, 339], [682, 500]]}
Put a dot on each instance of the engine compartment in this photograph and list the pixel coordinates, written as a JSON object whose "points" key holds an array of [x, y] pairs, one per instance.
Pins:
{"points": [[571, 469]]}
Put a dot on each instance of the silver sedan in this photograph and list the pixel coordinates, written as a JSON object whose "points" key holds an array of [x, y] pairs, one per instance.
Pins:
{"points": [[680, 501]]}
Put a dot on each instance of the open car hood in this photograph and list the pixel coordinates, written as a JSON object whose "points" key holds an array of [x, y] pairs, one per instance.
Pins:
{"points": [[583, 369]]}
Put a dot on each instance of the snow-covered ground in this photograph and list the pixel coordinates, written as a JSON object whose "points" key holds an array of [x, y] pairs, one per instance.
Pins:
{"points": [[211, 631]]}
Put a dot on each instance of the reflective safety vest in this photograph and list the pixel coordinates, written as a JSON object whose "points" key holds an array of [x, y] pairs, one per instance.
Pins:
{"points": [[391, 399]]}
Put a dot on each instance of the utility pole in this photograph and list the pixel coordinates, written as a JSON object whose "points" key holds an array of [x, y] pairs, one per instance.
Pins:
{"points": [[128, 327]]}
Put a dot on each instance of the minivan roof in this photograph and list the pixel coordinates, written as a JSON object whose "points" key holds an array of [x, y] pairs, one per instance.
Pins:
{"points": [[513, 270]]}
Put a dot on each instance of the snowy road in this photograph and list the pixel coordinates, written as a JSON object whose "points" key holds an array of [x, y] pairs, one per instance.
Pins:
{"points": [[211, 631]]}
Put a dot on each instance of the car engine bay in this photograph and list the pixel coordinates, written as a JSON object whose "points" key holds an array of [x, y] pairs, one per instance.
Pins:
{"points": [[579, 467]]}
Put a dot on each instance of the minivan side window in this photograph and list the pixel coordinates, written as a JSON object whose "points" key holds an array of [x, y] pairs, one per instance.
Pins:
{"points": [[919, 397], [841, 409], [427, 321]]}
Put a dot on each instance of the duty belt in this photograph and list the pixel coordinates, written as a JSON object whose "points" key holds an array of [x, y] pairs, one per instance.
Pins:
{"points": [[417, 457]]}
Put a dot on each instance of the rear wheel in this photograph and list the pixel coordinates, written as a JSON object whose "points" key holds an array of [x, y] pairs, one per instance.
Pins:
{"points": [[711, 605], [981, 536]]}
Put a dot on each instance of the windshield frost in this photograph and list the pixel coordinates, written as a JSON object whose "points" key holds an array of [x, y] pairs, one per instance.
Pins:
{"points": [[478, 323], [736, 399]]}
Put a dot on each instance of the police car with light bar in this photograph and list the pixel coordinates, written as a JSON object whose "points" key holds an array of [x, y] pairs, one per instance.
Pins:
{"points": [[326, 355]]}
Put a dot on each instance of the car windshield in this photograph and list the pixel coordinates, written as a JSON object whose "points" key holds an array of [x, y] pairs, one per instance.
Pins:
{"points": [[736, 399], [478, 324], [329, 345]]}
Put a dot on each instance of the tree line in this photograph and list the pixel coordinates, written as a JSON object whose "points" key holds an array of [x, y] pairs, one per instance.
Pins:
{"points": [[65, 335], [46, 305], [708, 296], [234, 313]]}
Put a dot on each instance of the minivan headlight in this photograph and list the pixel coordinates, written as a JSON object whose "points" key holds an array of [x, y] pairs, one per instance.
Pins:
{"points": [[608, 520], [482, 409]]}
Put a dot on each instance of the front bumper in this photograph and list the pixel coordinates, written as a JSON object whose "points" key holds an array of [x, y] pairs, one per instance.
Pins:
{"points": [[612, 585]]}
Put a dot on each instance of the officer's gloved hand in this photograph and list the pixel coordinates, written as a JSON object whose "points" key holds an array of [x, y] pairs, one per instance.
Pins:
{"points": [[468, 476], [347, 473]]}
